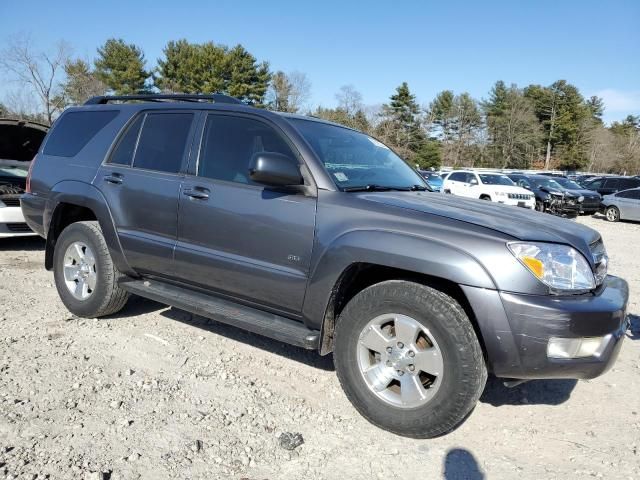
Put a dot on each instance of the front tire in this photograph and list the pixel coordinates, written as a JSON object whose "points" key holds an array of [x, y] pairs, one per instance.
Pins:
{"points": [[85, 276], [408, 359], [612, 213]]}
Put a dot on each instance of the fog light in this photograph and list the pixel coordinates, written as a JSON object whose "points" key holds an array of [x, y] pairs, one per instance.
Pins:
{"points": [[576, 347]]}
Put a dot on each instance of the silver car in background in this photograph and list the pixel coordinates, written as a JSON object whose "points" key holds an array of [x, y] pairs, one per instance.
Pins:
{"points": [[623, 205]]}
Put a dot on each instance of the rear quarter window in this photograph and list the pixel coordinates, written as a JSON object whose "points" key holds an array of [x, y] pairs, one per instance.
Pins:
{"points": [[74, 130]]}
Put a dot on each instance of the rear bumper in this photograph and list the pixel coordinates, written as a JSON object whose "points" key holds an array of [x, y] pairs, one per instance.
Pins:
{"points": [[33, 208], [516, 330]]}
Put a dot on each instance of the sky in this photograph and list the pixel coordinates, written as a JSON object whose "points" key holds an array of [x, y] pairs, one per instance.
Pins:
{"points": [[373, 45]]}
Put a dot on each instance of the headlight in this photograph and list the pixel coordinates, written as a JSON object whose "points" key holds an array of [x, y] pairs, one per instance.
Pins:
{"points": [[580, 199], [560, 267]]}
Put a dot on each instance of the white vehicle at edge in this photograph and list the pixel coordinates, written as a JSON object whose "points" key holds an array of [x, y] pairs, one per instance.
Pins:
{"points": [[495, 187], [12, 222], [19, 142]]}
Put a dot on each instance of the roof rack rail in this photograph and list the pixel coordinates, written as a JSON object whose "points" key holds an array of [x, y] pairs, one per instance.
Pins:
{"points": [[152, 97]]}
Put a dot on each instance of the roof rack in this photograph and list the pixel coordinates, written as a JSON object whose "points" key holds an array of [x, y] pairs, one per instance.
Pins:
{"points": [[152, 97]]}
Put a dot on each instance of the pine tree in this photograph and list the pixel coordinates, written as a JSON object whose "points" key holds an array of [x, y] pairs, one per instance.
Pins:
{"points": [[121, 67], [81, 83]]}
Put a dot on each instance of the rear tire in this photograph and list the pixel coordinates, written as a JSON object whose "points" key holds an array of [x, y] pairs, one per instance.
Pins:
{"points": [[449, 374], [612, 213], [81, 256]]}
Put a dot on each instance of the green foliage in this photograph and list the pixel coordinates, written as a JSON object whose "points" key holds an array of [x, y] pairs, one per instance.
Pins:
{"points": [[210, 68], [357, 121], [513, 129], [281, 88], [401, 128], [121, 67], [81, 83]]}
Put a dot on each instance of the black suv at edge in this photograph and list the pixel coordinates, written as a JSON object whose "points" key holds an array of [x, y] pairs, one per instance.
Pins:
{"points": [[320, 236]]}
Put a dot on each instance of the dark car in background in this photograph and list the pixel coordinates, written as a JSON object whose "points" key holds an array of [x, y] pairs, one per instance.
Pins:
{"points": [[434, 180], [550, 196], [591, 202], [613, 184]]}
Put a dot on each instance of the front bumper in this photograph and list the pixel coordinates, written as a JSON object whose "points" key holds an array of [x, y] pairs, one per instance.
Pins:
{"points": [[516, 329], [514, 202], [12, 223]]}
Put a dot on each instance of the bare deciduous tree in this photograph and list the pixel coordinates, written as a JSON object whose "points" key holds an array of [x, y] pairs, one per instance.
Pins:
{"points": [[38, 71], [288, 92], [349, 99]]}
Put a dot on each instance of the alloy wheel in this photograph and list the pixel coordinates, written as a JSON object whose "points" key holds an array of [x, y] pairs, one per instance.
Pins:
{"points": [[80, 274], [400, 360]]}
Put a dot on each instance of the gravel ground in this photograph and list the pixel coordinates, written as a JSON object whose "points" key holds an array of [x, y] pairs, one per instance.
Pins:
{"points": [[155, 392]]}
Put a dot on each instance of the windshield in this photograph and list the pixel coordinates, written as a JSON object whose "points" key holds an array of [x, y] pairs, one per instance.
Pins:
{"points": [[495, 179], [13, 172], [548, 183], [570, 184], [355, 160]]}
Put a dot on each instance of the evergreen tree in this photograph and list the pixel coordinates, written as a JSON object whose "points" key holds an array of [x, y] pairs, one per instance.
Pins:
{"points": [[81, 83], [211, 68], [121, 67]]}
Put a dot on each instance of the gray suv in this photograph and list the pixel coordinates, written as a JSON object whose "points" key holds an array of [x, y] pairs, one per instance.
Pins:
{"points": [[322, 237]]}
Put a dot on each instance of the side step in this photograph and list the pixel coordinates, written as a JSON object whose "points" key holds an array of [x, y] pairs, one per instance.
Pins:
{"points": [[225, 311]]}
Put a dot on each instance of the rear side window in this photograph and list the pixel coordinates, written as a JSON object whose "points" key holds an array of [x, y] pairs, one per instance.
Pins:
{"points": [[74, 130], [163, 141], [635, 194], [123, 153], [628, 183], [611, 183]]}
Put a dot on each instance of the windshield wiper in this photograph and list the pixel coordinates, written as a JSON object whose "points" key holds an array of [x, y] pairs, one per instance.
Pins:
{"points": [[372, 187]]}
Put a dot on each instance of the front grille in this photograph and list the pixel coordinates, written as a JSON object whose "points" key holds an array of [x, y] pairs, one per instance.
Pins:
{"points": [[10, 201], [18, 227], [591, 201], [520, 196], [601, 260]]}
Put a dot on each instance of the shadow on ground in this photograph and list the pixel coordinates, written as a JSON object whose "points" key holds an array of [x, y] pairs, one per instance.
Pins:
{"points": [[633, 332], [534, 392], [307, 357], [461, 464], [17, 244]]}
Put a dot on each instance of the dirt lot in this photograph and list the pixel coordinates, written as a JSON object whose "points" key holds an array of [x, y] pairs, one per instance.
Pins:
{"points": [[158, 393]]}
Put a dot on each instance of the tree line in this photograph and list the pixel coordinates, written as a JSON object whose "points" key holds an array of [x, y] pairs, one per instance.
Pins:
{"points": [[536, 126]]}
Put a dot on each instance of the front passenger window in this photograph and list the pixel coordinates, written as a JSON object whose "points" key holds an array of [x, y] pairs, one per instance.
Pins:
{"points": [[229, 144]]}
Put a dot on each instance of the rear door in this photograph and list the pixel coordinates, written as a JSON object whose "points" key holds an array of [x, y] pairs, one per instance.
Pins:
{"points": [[628, 203], [141, 182], [237, 237]]}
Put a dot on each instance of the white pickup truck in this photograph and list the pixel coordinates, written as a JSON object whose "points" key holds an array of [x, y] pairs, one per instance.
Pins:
{"points": [[494, 187]]}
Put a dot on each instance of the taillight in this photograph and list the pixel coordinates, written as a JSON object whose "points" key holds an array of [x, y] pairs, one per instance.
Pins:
{"points": [[28, 186]]}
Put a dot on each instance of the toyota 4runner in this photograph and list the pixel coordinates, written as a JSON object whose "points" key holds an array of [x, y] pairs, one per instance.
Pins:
{"points": [[319, 236]]}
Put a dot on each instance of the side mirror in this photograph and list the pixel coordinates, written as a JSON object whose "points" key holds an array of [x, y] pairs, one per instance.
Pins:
{"points": [[275, 169], [473, 182]]}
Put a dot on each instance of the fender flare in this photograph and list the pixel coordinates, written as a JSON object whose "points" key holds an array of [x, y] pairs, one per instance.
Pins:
{"points": [[412, 253], [88, 196]]}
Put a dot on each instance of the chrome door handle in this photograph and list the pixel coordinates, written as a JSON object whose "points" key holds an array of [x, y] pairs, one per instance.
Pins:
{"points": [[197, 193]]}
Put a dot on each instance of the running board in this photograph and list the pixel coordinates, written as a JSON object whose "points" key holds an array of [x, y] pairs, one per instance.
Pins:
{"points": [[225, 311]]}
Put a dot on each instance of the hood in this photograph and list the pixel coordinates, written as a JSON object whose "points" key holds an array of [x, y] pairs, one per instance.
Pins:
{"points": [[584, 192], [519, 223], [508, 189], [20, 140]]}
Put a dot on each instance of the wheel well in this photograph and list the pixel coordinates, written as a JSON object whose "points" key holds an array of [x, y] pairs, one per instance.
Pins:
{"points": [[484, 195], [359, 276], [64, 215]]}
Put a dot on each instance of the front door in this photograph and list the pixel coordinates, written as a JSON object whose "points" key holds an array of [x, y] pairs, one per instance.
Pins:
{"points": [[141, 182], [237, 237]]}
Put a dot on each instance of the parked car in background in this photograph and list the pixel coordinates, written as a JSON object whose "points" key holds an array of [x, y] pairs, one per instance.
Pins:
{"points": [[19, 142], [494, 187], [434, 180], [591, 202], [550, 196], [318, 235], [624, 205], [612, 184], [582, 178]]}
